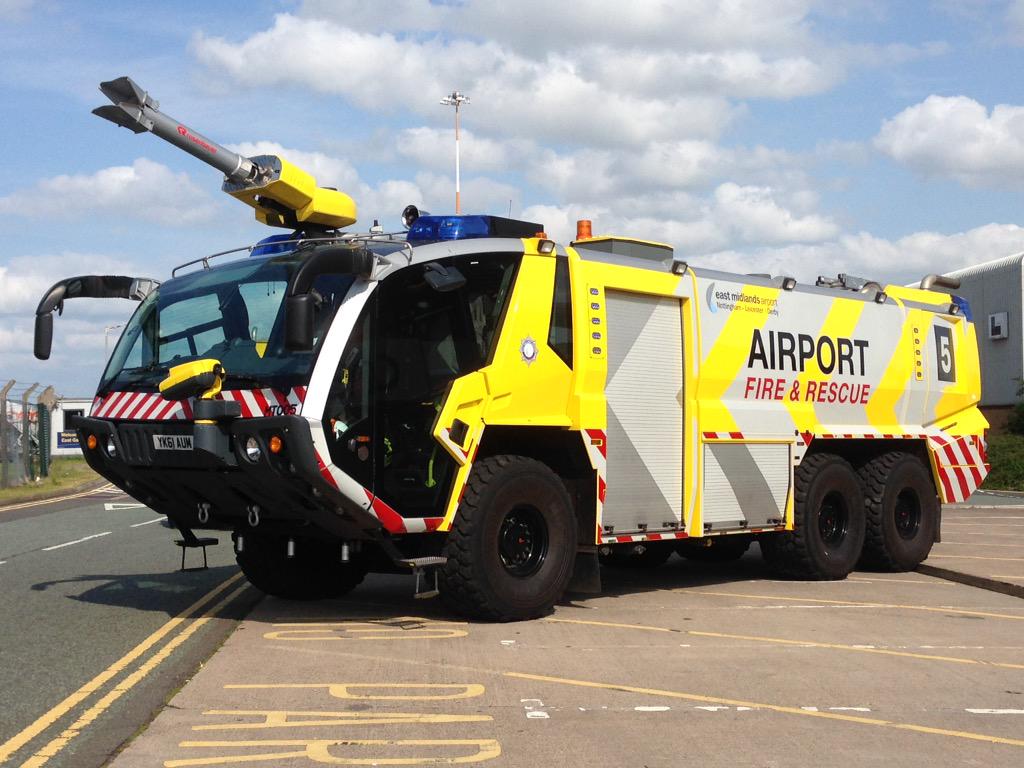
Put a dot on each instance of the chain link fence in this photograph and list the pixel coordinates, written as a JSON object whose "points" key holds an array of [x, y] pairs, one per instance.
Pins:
{"points": [[25, 425]]}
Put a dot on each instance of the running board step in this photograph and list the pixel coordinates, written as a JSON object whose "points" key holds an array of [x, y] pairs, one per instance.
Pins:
{"points": [[419, 566]]}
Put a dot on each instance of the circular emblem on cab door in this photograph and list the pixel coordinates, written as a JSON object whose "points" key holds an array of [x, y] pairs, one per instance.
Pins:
{"points": [[528, 350]]}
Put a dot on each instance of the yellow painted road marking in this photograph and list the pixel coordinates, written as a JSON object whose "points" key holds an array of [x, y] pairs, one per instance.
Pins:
{"points": [[40, 502], [802, 643], [586, 622], [284, 719], [872, 580], [57, 744], [448, 667], [771, 707], [981, 544], [929, 608], [345, 690], [976, 557], [44, 721], [318, 751]]}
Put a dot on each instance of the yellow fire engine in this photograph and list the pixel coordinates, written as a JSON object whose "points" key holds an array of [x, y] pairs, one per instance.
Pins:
{"points": [[472, 402]]}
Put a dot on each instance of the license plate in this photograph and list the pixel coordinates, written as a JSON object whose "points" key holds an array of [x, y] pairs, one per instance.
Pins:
{"points": [[172, 442]]}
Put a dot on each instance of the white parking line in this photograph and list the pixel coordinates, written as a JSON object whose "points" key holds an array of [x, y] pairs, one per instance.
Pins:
{"points": [[148, 522], [76, 541], [996, 711]]}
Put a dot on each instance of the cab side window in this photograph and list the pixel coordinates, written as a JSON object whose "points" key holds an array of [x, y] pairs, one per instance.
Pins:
{"points": [[560, 332]]}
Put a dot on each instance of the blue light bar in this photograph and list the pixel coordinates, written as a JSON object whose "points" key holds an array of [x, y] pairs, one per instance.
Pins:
{"points": [[428, 229], [273, 245]]}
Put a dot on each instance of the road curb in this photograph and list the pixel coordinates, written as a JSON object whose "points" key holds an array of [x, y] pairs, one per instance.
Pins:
{"points": [[981, 582]]}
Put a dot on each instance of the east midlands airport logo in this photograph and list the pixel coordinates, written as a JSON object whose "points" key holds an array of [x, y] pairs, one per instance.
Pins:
{"points": [[710, 296]]}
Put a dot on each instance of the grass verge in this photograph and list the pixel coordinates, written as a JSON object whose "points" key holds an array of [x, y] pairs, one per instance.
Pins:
{"points": [[1006, 455], [67, 474]]}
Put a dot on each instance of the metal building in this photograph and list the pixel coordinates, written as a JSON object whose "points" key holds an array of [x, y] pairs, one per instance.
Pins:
{"points": [[995, 291]]}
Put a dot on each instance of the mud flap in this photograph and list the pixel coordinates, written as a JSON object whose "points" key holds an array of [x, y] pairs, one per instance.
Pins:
{"points": [[586, 574]]}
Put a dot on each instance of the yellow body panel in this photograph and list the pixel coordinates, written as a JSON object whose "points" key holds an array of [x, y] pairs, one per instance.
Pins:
{"points": [[898, 393]]}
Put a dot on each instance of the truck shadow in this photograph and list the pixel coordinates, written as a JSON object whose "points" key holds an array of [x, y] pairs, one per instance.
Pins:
{"points": [[168, 592], [388, 600]]}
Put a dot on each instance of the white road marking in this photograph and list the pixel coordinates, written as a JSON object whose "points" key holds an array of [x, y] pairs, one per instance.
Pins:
{"points": [[76, 541], [148, 522], [849, 709], [711, 708], [534, 709], [113, 506], [996, 711], [507, 643], [651, 709]]}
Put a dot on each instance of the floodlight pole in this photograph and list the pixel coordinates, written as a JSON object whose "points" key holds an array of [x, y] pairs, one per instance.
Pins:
{"points": [[456, 99]]}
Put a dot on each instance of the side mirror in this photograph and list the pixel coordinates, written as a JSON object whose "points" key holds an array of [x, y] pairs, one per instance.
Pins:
{"points": [[44, 336], [299, 312], [443, 279]]}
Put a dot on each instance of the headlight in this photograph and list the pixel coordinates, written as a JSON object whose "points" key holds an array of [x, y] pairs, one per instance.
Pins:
{"points": [[252, 449], [111, 448]]}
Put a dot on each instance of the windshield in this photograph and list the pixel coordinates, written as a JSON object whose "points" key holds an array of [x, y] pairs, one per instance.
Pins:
{"points": [[234, 314]]}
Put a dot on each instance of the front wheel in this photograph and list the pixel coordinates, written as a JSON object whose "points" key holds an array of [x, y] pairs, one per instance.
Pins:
{"points": [[829, 522], [313, 573], [513, 545]]}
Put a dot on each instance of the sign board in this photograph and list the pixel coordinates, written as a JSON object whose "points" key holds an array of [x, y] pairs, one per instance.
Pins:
{"points": [[998, 325], [67, 438]]}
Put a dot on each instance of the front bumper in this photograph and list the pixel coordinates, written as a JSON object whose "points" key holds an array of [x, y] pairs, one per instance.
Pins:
{"points": [[286, 490]]}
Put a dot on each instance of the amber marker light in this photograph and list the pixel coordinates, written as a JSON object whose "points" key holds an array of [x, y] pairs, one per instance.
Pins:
{"points": [[92, 442], [276, 444]]}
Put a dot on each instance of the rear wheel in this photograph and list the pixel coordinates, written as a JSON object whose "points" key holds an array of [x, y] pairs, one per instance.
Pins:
{"points": [[715, 549], [314, 573], [512, 548], [829, 522], [902, 511]]}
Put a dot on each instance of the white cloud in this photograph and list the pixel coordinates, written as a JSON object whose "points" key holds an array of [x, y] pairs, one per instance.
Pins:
{"points": [[753, 214], [143, 191], [557, 95], [540, 25], [903, 260], [957, 137]]}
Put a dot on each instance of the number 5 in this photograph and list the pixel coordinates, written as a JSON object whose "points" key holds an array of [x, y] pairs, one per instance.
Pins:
{"points": [[944, 354]]}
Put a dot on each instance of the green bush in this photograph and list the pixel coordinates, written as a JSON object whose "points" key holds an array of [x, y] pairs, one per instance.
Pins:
{"points": [[1006, 456], [1015, 423]]}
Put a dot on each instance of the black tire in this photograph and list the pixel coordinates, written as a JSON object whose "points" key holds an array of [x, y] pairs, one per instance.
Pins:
{"points": [[315, 573], [654, 554], [715, 549], [902, 512], [512, 548], [828, 532]]}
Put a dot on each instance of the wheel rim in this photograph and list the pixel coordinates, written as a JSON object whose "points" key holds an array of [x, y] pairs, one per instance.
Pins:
{"points": [[907, 513], [523, 541], [833, 519]]}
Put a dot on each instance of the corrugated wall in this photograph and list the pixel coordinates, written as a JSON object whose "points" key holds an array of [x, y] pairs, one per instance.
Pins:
{"points": [[990, 288]]}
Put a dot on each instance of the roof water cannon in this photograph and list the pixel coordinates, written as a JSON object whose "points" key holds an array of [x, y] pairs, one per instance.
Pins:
{"points": [[282, 194]]}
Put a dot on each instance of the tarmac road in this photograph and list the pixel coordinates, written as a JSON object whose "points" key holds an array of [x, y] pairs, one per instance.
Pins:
{"points": [[82, 583]]}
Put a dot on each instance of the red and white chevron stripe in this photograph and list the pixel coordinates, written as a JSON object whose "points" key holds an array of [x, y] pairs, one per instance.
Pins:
{"points": [[637, 537], [962, 463], [151, 406]]}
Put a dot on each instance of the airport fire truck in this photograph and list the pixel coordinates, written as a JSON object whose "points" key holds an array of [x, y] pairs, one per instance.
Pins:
{"points": [[471, 402]]}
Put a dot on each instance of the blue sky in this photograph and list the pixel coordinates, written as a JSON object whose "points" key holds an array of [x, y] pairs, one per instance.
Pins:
{"points": [[884, 139]]}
